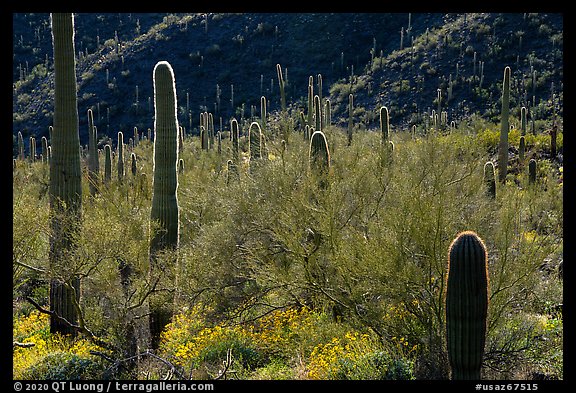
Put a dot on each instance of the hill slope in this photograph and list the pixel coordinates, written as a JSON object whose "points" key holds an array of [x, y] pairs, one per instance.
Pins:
{"points": [[222, 61]]}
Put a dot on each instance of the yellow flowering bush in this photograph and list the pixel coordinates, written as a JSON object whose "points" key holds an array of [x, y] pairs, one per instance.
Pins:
{"points": [[276, 331], [34, 329], [187, 343], [327, 360]]}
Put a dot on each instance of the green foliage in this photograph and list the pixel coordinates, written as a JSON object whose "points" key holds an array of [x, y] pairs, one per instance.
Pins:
{"points": [[64, 366]]}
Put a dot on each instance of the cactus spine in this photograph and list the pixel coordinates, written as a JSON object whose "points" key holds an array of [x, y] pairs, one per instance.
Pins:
{"points": [[466, 300], [164, 210], [65, 173], [504, 128]]}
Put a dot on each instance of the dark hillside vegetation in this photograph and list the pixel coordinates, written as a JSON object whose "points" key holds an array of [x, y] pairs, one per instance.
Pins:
{"points": [[224, 62]]}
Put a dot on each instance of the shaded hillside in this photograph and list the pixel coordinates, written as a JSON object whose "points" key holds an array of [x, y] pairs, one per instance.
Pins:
{"points": [[465, 59], [221, 61]]}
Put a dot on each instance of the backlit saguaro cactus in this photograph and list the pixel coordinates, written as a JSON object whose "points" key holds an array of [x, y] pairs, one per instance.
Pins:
{"points": [[522, 148], [107, 163], [45, 154], [164, 210], [263, 114], [532, 171], [490, 179], [20, 146], [255, 141], [93, 161], [133, 164], [384, 124], [466, 300], [319, 154], [523, 120], [327, 114], [120, 165], [235, 138], [317, 114], [282, 89], [65, 176], [285, 126], [504, 128], [310, 116], [350, 117]]}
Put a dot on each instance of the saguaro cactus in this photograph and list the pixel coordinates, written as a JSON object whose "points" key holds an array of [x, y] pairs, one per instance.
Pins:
{"points": [[317, 113], [522, 148], [466, 300], [384, 124], [120, 166], [327, 114], [504, 128], [65, 176], [532, 171], [319, 154], [281, 85], [350, 117], [107, 163], [490, 179], [255, 141], [164, 210], [45, 154], [263, 114], [93, 161], [235, 138], [20, 146]]}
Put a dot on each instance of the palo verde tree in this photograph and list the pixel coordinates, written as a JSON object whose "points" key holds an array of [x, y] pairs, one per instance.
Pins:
{"points": [[65, 179]]}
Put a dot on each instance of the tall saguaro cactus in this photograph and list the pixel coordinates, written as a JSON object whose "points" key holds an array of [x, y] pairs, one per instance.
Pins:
{"points": [[120, 166], [65, 177], [384, 124], [504, 128], [165, 183], [285, 127], [466, 300], [93, 161], [489, 179], [319, 154]]}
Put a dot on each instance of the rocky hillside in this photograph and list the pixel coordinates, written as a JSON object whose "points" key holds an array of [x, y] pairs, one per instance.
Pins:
{"points": [[224, 63]]}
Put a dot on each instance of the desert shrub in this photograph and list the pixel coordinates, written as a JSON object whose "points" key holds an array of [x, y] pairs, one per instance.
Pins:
{"points": [[64, 366]]}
